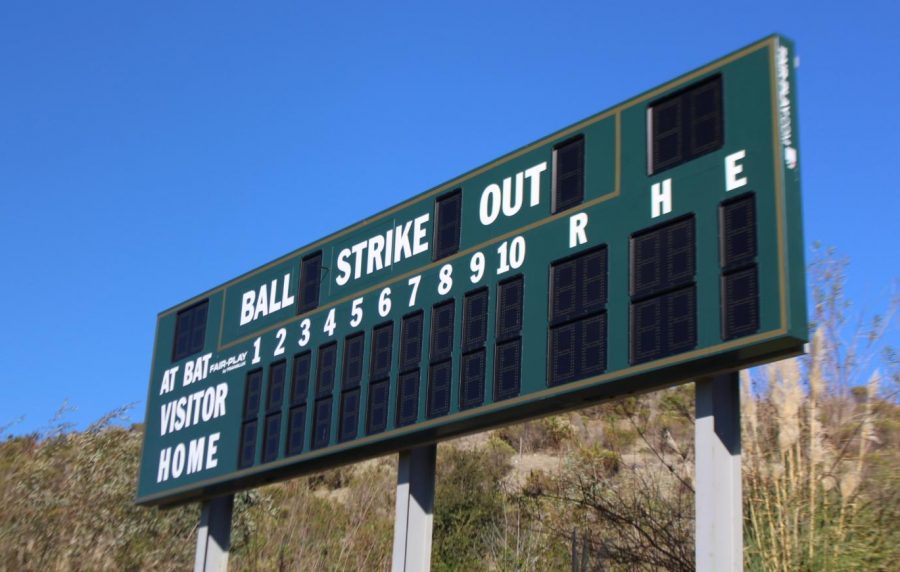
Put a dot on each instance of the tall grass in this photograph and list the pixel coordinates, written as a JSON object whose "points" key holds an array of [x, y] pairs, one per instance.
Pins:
{"points": [[821, 438], [817, 495]]}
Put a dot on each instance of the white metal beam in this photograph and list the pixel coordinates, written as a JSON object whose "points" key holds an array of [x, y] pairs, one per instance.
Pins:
{"points": [[415, 504], [719, 512]]}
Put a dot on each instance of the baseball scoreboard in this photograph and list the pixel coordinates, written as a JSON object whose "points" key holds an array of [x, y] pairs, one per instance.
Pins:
{"points": [[651, 243]]}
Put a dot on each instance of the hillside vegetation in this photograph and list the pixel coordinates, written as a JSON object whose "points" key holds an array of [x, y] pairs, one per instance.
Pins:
{"points": [[612, 484]]}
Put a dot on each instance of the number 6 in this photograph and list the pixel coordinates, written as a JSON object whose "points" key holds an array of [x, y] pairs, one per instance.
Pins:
{"points": [[384, 302]]}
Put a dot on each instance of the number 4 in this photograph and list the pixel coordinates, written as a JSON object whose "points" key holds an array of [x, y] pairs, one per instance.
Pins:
{"points": [[330, 324]]}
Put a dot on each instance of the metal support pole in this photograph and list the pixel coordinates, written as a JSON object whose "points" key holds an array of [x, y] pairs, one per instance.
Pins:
{"points": [[415, 503], [214, 535], [719, 512]]}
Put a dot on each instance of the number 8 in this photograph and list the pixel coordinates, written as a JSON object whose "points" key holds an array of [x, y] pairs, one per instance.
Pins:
{"points": [[446, 279]]}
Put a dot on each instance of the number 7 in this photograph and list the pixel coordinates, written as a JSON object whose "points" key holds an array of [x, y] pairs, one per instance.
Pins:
{"points": [[414, 282]]}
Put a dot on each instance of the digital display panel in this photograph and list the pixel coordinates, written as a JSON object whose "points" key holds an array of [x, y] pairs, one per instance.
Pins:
{"points": [[654, 242]]}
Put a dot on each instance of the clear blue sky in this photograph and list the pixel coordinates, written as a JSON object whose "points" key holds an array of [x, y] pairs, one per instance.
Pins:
{"points": [[152, 150]]}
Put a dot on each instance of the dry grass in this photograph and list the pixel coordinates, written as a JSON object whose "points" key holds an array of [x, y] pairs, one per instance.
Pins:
{"points": [[821, 441]]}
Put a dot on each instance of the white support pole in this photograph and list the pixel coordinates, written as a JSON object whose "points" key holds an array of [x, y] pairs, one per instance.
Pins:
{"points": [[214, 535], [719, 512], [415, 503]]}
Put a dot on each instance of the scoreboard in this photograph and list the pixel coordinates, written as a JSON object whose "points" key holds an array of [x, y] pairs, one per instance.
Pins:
{"points": [[654, 242]]}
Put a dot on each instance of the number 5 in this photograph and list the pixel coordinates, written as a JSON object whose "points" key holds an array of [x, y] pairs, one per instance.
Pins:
{"points": [[356, 312]]}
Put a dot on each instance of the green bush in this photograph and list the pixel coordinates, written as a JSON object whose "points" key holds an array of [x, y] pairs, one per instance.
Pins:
{"points": [[468, 505]]}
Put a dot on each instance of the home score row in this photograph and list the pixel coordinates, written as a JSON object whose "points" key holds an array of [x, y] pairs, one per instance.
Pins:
{"points": [[651, 243]]}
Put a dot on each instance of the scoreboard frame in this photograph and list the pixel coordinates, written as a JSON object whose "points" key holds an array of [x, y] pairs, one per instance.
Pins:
{"points": [[276, 287]]}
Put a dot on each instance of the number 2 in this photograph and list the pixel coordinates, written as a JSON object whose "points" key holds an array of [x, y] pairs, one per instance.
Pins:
{"points": [[281, 335]]}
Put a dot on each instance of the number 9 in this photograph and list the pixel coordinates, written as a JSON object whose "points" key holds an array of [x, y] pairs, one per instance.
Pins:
{"points": [[477, 266]]}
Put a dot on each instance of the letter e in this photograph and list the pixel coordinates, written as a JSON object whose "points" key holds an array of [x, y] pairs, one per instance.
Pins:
{"points": [[733, 169]]}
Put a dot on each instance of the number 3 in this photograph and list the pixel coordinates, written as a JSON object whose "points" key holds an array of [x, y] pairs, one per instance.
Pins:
{"points": [[304, 332]]}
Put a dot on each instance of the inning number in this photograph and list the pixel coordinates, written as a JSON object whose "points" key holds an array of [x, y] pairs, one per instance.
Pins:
{"points": [[512, 254], [446, 279], [477, 267], [256, 344], [281, 335], [304, 332], [330, 324], [384, 302], [356, 312], [414, 282]]}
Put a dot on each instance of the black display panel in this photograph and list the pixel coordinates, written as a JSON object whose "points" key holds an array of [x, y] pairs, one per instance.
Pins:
{"points": [[442, 330], [190, 331], [252, 394], [380, 360], [310, 278], [296, 430], [577, 349], [686, 125], [740, 276], [507, 379], [475, 318], [325, 369], [408, 398], [248, 444], [376, 419], [568, 168], [439, 379], [322, 423], [737, 223], [272, 437], [474, 338], [471, 393], [578, 295], [509, 308], [353, 361], [349, 414], [740, 301], [664, 325], [411, 340], [379, 382], [663, 257], [300, 378], [663, 296], [276, 386], [508, 350], [578, 285], [447, 224]]}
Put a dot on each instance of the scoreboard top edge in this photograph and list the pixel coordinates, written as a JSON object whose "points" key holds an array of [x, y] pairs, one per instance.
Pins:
{"points": [[766, 42]]}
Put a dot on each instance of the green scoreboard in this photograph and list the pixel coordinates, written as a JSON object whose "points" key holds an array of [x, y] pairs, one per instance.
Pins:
{"points": [[651, 243]]}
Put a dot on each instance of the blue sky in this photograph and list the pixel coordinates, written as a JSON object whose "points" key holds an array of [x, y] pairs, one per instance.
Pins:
{"points": [[150, 151]]}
